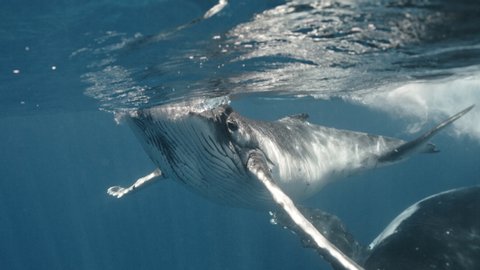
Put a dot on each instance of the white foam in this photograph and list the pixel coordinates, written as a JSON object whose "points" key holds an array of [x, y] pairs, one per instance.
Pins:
{"points": [[433, 100]]}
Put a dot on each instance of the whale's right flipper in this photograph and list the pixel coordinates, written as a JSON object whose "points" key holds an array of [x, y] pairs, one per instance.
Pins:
{"points": [[257, 165], [331, 227], [421, 143], [118, 191]]}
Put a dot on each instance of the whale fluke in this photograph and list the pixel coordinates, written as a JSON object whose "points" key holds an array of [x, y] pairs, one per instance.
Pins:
{"points": [[421, 144]]}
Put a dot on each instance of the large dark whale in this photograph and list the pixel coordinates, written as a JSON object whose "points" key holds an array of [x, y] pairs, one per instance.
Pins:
{"points": [[226, 157], [441, 231]]}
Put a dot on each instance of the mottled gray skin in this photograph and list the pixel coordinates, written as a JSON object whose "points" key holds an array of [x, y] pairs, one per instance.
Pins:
{"points": [[208, 149]]}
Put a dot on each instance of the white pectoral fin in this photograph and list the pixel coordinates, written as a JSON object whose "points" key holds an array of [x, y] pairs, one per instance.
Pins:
{"points": [[118, 191], [257, 165], [421, 143]]}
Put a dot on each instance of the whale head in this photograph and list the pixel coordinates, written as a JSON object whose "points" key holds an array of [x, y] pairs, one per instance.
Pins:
{"points": [[200, 147]]}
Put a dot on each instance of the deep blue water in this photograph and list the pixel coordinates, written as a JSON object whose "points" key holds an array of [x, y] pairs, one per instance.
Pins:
{"points": [[384, 67]]}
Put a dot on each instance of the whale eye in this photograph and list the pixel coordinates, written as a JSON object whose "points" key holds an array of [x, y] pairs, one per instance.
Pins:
{"points": [[232, 127]]}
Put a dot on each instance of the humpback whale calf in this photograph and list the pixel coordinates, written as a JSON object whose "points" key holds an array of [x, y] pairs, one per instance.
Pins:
{"points": [[207, 148], [218, 153]]}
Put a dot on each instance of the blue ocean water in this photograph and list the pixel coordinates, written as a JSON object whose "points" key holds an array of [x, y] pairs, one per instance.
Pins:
{"points": [[383, 67]]}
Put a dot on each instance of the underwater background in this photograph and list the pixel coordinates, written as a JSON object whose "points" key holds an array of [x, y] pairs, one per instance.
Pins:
{"points": [[390, 67]]}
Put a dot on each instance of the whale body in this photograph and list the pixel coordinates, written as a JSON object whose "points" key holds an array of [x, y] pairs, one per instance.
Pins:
{"points": [[207, 149]]}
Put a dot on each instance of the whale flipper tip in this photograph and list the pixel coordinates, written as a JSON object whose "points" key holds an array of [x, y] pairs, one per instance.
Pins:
{"points": [[117, 191]]}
